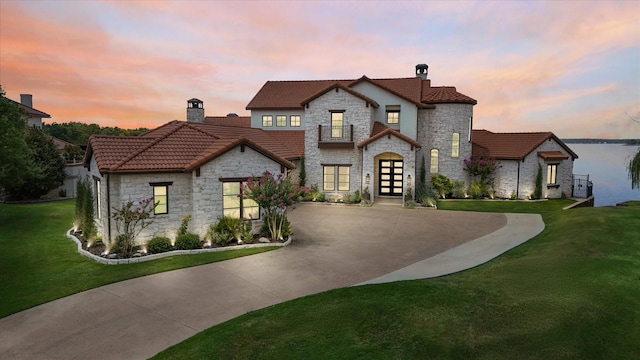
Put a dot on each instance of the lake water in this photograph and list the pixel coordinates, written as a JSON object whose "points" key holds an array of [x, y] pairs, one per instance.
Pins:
{"points": [[606, 165]]}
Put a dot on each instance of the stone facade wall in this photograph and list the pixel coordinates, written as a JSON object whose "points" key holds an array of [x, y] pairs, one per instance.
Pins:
{"points": [[435, 131], [507, 176], [356, 113], [135, 187], [207, 188]]}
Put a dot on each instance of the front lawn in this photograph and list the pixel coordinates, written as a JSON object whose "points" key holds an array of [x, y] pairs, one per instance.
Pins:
{"points": [[38, 263], [573, 292]]}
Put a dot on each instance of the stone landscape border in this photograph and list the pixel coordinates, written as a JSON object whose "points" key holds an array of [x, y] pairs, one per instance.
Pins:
{"points": [[102, 260]]}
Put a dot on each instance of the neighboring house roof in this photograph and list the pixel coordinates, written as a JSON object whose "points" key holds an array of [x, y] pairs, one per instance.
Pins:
{"points": [[294, 94], [35, 113], [59, 143], [181, 146], [380, 130], [511, 146]]}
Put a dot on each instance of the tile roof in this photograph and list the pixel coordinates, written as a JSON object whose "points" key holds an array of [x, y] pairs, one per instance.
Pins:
{"points": [[179, 146], [380, 130], [511, 146], [238, 121], [336, 86], [31, 111], [293, 94]]}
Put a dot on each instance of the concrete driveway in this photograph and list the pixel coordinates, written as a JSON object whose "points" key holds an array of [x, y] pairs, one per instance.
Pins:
{"points": [[334, 246]]}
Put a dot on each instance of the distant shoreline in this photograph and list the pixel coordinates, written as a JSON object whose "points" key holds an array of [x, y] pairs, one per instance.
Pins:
{"points": [[602, 141]]}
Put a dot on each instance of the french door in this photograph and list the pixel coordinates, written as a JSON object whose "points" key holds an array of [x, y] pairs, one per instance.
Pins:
{"points": [[390, 178]]}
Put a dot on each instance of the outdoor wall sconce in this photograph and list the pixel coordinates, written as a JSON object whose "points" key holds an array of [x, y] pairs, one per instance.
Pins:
{"points": [[367, 179], [409, 180]]}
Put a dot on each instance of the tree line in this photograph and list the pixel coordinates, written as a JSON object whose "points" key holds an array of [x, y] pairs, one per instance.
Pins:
{"points": [[78, 133]]}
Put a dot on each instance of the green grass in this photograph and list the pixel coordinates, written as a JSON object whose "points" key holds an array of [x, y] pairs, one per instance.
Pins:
{"points": [[572, 292], [38, 263]]}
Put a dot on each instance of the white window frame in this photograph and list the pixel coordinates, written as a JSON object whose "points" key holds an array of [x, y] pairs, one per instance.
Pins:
{"points": [[434, 164]]}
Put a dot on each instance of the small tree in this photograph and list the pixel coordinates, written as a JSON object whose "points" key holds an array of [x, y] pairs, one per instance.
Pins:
{"points": [[634, 170], [421, 186], [537, 191], [131, 218], [274, 195], [303, 173]]}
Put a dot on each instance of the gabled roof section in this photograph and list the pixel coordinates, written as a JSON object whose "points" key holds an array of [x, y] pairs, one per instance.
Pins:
{"points": [[380, 130], [511, 146], [288, 94], [221, 147], [31, 111], [337, 86], [293, 94], [181, 146]]}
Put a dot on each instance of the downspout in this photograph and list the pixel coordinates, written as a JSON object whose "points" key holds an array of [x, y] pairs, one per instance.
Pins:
{"points": [[518, 181], [108, 210]]}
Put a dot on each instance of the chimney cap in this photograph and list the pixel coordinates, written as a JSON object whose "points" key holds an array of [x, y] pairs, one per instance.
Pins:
{"points": [[422, 70]]}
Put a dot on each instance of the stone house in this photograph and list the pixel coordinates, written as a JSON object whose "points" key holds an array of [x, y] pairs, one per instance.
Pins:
{"points": [[520, 155], [355, 135]]}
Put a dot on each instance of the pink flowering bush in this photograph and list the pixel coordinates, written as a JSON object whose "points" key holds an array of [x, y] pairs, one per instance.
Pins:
{"points": [[131, 218], [274, 195], [484, 168]]}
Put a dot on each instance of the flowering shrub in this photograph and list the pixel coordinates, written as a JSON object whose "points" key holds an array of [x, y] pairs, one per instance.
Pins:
{"points": [[481, 166], [131, 218], [274, 195]]}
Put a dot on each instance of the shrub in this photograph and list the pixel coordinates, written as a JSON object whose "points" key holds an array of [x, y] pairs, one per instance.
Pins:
{"points": [[188, 241], [62, 193], [513, 195], [121, 245], [321, 197], [459, 190], [429, 201], [184, 225], [159, 244], [477, 189], [442, 184], [226, 229]]}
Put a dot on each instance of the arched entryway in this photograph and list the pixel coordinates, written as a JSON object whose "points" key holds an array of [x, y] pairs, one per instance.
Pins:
{"points": [[389, 174]]}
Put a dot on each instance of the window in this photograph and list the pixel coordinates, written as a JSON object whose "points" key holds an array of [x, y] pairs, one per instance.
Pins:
{"points": [[161, 197], [470, 128], [235, 205], [552, 172], [434, 160], [267, 120], [393, 117], [96, 183], [455, 145], [336, 124], [281, 120], [336, 177], [295, 120]]}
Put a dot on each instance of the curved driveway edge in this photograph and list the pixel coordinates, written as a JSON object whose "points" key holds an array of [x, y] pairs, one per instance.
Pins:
{"points": [[333, 247], [519, 229]]}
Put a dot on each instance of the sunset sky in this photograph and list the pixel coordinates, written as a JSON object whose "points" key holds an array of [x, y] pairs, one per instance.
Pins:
{"points": [[568, 67]]}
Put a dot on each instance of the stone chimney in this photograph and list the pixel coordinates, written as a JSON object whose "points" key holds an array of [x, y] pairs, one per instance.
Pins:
{"points": [[195, 111], [27, 100], [422, 70]]}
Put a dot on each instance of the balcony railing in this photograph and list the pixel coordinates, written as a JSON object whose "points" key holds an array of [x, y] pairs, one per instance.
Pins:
{"points": [[337, 137]]}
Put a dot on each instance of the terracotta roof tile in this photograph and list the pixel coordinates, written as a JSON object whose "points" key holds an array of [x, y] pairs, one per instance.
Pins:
{"points": [[293, 94], [237, 121], [177, 146], [380, 130], [337, 85], [510, 146]]}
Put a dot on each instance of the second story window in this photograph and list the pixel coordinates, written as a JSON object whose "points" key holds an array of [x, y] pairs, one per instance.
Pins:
{"points": [[267, 120], [295, 120], [337, 121], [393, 117], [281, 120]]}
